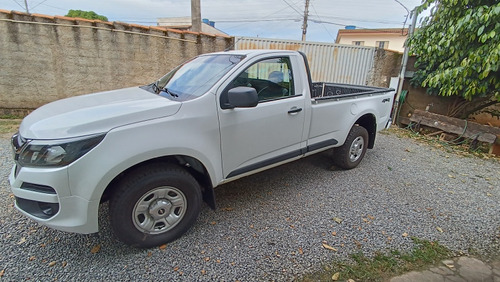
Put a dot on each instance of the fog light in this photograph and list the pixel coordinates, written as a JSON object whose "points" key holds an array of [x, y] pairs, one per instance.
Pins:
{"points": [[48, 208]]}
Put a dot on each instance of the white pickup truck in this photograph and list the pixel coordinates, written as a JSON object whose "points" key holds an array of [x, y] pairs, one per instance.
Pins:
{"points": [[157, 151]]}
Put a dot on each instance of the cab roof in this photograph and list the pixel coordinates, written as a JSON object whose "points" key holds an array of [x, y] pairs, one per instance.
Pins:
{"points": [[255, 52]]}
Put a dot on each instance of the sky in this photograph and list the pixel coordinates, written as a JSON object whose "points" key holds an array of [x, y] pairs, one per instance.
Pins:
{"points": [[253, 18]]}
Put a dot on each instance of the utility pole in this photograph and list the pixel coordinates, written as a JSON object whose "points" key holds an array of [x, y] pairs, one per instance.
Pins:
{"points": [[26, 5], [304, 25], [195, 16], [411, 30]]}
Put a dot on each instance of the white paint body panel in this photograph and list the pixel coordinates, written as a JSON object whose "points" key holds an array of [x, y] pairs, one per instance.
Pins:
{"points": [[140, 126]]}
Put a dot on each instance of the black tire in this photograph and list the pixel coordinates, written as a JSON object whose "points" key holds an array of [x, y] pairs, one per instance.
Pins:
{"points": [[350, 154], [154, 205]]}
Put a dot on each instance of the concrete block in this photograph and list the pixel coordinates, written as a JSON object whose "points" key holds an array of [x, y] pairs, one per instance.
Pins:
{"points": [[472, 269]]}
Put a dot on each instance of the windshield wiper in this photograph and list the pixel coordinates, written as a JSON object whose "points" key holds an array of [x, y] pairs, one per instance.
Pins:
{"points": [[164, 89], [155, 87]]}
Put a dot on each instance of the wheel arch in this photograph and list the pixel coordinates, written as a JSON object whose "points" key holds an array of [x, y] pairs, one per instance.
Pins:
{"points": [[369, 122], [195, 167]]}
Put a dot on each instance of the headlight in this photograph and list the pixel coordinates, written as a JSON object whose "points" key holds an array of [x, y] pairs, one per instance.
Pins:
{"points": [[54, 154]]}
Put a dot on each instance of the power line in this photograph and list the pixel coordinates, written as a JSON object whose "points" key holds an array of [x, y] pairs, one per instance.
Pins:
{"points": [[264, 18], [344, 24], [327, 22], [55, 7], [18, 4], [39, 4], [27, 8], [317, 20], [381, 30], [256, 20], [360, 20], [322, 24], [295, 9], [275, 12]]}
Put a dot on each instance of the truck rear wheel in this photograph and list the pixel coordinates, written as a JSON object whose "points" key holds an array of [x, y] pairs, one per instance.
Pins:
{"points": [[154, 205], [350, 154]]}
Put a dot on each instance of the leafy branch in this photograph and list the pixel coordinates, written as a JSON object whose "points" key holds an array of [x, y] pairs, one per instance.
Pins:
{"points": [[458, 51]]}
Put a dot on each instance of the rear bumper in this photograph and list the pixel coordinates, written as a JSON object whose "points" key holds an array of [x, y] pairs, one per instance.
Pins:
{"points": [[389, 123]]}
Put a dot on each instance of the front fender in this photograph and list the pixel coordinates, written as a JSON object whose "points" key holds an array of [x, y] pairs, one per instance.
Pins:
{"points": [[126, 146]]}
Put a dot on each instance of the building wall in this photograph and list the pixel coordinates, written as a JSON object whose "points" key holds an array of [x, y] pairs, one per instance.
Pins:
{"points": [[48, 58], [396, 41]]}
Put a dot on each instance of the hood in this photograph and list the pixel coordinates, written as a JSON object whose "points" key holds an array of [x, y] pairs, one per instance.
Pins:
{"points": [[95, 113]]}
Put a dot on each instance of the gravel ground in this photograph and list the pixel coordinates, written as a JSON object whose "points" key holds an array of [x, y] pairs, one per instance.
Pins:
{"points": [[272, 226]]}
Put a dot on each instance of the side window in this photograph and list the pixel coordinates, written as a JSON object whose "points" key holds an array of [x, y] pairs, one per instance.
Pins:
{"points": [[272, 78]]}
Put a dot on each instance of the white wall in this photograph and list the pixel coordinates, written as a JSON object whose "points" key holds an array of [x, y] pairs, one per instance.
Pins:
{"points": [[396, 41]]}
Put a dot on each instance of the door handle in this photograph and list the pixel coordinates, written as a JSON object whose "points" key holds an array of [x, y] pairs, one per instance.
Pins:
{"points": [[294, 110]]}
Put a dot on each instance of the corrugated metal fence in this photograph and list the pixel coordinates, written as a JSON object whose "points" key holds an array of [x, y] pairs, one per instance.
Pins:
{"points": [[329, 62]]}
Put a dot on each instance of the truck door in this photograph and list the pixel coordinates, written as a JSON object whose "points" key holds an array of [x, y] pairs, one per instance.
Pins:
{"points": [[271, 132]]}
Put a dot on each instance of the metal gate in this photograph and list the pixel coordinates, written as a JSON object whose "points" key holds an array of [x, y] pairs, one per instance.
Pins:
{"points": [[329, 62]]}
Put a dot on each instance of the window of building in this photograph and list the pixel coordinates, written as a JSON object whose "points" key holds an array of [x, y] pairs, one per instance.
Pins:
{"points": [[358, 43], [382, 44]]}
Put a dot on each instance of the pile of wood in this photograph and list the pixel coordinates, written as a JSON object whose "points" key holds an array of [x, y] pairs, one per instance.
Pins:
{"points": [[460, 127]]}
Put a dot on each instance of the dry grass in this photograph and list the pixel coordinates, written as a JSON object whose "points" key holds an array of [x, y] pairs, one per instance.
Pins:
{"points": [[460, 147], [8, 127]]}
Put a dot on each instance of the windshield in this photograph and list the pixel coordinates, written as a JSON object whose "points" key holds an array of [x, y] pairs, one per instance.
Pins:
{"points": [[195, 77]]}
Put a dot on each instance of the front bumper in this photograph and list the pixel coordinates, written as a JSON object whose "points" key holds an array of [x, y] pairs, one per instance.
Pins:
{"points": [[43, 194]]}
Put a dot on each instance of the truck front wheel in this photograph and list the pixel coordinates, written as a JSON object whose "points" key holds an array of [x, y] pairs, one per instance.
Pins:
{"points": [[154, 204], [350, 154]]}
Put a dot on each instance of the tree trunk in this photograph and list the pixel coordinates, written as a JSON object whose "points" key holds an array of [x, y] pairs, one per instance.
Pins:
{"points": [[463, 108]]}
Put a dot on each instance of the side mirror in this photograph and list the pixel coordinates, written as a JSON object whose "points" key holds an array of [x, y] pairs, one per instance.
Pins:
{"points": [[243, 97]]}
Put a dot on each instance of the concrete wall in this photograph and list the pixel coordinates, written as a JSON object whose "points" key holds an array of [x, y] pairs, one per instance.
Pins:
{"points": [[386, 64], [417, 98], [45, 58]]}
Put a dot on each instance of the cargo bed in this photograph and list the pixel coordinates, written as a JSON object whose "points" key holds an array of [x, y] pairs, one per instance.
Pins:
{"points": [[326, 90]]}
